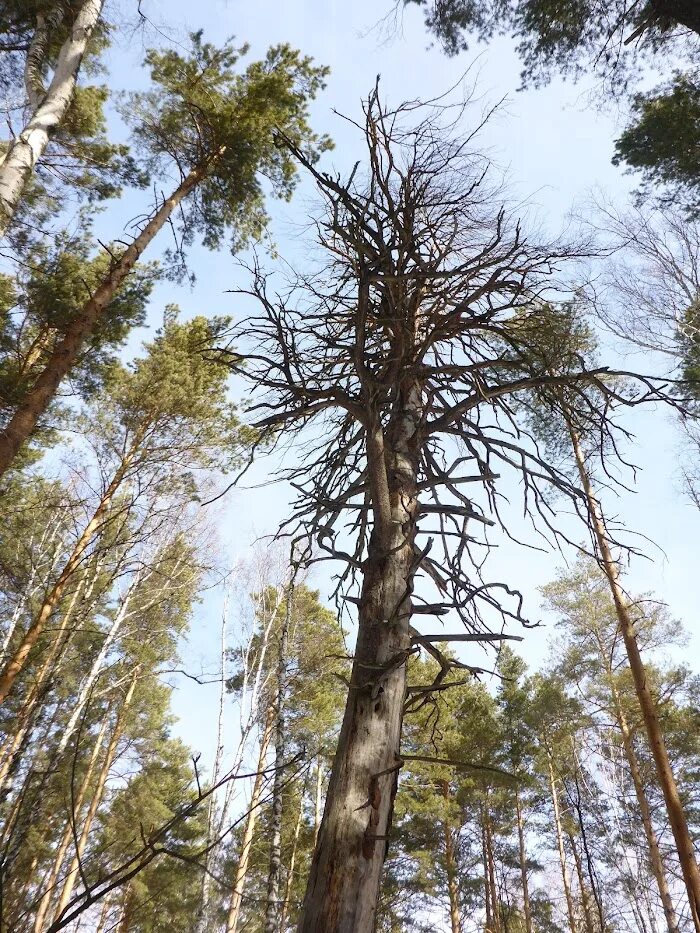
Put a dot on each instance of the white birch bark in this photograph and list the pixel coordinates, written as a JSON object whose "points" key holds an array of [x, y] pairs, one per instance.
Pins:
{"points": [[47, 114]]}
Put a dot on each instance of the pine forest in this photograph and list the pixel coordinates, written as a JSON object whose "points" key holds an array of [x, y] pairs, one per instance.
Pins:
{"points": [[349, 445]]}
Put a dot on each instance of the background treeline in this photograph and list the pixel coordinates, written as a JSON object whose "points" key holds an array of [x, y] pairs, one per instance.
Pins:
{"points": [[565, 799]]}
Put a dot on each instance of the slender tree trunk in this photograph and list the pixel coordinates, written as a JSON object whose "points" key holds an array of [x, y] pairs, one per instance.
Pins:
{"points": [[50, 108], [9, 880], [66, 351], [318, 799], [127, 910], [655, 860], [272, 906], [203, 912], [15, 664], [292, 863], [590, 864], [60, 855], [583, 888], [50, 533], [95, 801], [104, 914], [247, 841], [523, 862], [560, 847], [487, 887], [26, 714], [343, 886], [647, 703], [491, 864], [451, 868], [254, 690], [89, 681]]}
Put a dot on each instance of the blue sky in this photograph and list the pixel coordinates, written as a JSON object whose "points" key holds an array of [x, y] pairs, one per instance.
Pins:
{"points": [[555, 145]]}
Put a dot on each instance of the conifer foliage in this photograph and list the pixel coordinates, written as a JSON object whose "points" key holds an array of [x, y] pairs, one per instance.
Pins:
{"points": [[373, 749]]}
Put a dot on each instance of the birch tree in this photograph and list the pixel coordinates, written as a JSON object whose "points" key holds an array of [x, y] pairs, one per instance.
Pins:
{"points": [[48, 100]]}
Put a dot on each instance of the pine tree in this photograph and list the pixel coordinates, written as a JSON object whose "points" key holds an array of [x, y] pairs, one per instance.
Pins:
{"points": [[216, 128]]}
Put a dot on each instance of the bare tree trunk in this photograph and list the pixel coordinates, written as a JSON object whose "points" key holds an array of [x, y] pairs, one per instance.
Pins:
{"points": [[248, 832], [49, 108], [95, 801], [560, 847], [65, 353], [451, 868], [253, 689], [272, 906], [60, 855], [647, 703], [292, 862], [34, 582], [89, 681], [343, 886], [27, 713], [523, 862]]}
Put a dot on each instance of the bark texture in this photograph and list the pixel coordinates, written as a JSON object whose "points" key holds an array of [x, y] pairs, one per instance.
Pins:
{"points": [[343, 886], [655, 860], [49, 108]]}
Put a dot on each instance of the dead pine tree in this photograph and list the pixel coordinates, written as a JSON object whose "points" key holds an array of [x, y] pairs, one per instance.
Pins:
{"points": [[388, 368]]}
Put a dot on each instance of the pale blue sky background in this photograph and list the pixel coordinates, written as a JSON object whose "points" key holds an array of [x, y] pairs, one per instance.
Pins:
{"points": [[556, 147]]}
